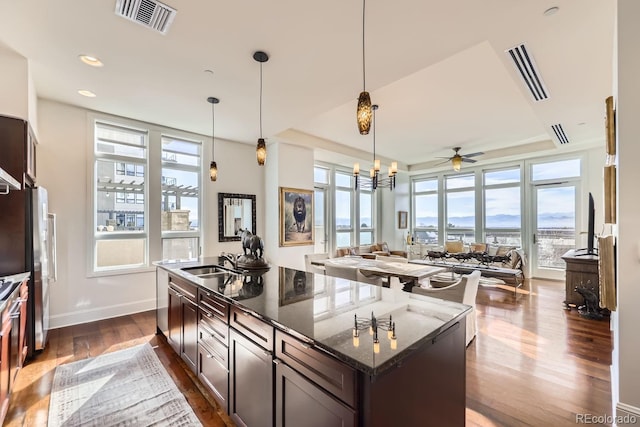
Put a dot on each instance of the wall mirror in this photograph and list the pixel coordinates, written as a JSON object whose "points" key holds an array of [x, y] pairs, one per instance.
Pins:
{"points": [[235, 212]]}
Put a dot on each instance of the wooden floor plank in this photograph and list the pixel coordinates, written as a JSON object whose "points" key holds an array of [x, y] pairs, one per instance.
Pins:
{"points": [[531, 364]]}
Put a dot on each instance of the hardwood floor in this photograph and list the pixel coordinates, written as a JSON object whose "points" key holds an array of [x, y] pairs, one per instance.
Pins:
{"points": [[532, 363]]}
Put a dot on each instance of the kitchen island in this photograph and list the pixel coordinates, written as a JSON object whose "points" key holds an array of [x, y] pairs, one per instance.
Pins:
{"points": [[287, 347]]}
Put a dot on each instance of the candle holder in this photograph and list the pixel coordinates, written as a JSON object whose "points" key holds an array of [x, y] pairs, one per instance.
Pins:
{"points": [[373, 324]]}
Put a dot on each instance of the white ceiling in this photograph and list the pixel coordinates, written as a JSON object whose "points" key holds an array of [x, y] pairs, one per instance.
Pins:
{"points": [[438, 70]]}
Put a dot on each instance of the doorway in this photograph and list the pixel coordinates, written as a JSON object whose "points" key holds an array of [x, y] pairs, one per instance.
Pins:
{"points": [[554, 228]]}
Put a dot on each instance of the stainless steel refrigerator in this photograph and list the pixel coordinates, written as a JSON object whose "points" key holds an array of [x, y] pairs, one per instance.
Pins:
{"points": [[44, 269]]}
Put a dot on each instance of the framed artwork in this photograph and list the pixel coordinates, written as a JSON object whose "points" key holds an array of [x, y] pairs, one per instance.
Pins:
{"points": [[295, 285], [296, 216], [402, 219]]}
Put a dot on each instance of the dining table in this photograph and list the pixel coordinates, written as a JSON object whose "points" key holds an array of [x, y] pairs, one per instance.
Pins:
{"points": [[408, 274]]}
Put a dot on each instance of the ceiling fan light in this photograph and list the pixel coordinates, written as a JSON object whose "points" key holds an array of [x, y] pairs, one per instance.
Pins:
{"points": [[213, 171], [456, 162], [364, 113], [261, 152]]}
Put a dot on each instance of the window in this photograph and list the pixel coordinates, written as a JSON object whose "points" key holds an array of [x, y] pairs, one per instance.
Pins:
{"points": [[119, 243], [425, 210], [181, 164], [343, 210], [502, 207], [366, 218], [460, 207], [124, 196]]}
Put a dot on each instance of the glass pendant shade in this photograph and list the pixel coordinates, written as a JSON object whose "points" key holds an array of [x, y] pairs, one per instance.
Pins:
{"points": [[364, 113], [213, 171], [456, 162], [261, 151]]}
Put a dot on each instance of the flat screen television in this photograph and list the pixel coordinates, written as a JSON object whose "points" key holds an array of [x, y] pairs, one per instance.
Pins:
{"points": [[590, 231], [591, 235]]}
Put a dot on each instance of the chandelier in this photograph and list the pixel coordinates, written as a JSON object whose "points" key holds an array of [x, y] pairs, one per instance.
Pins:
{"points": [[375, 180], [373, 324]]}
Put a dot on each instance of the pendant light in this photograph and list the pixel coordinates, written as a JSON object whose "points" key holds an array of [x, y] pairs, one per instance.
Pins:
{"points": [[364, 112], [213, 167], [375, 180], [261, 148]]}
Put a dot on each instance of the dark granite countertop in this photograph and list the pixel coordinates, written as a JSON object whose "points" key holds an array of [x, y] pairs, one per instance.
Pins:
{"points": [[320, 310]]}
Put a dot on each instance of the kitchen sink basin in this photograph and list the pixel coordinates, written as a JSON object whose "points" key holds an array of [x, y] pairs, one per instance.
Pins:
{"points": [[206, 271]]}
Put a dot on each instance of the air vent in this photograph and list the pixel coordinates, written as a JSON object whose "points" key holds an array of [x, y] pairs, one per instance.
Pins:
{"points": [[562, 137], [151, 14], [528, 71]]}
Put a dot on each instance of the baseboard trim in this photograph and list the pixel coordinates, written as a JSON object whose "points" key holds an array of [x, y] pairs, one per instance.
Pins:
{"points": [[626, 414], [100, 313]]}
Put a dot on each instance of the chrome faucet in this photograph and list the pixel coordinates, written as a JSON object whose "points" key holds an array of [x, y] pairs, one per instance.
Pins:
{"points": [[231, 258]]}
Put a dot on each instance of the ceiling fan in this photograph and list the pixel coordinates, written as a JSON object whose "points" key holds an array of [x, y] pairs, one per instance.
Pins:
{"points": [[457, 159]]}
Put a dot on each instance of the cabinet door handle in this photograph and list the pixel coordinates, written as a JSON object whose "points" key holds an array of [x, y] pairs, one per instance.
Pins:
{"points": [[276, 362], [245, 313], [207, 294], [206, 313], [179, 295], [211, 356], [305, 345]]}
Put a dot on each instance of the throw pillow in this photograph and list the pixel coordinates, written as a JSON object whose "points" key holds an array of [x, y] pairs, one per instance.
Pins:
{"points": [[492, 249], [454, 247], [375, 247], [503, 250], [354, 250], [384, 247], [478, 247]]}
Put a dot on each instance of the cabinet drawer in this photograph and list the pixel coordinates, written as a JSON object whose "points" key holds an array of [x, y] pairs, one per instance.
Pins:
{"points": [[329, 373], [211, 337], [217, 326], [252, 327], [184, 288], [213, 371], [214, 304]]}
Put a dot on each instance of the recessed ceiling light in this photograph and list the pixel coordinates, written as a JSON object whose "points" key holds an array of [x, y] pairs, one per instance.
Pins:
{"points": [[91, 60], [551, 11], [87, 93]]}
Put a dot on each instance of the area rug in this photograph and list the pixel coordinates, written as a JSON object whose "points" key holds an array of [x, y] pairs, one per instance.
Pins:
{"points": [[128, 387]]}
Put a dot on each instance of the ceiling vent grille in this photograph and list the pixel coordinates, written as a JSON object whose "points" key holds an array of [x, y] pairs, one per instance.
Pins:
{"points": [[150, 13], [527, 69], [559, 131]]}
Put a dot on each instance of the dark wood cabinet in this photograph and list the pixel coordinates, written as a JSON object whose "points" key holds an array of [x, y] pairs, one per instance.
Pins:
{"points": [[5, 354], [581, 270], [13, 342], [183, 321], [250, 382], [301, 402], [213, 344], [175, 320], [18, 146]]}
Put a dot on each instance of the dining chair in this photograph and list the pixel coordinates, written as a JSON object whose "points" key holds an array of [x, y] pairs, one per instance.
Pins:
{"points": [[342, 271], [463, 291], [314, 257]]}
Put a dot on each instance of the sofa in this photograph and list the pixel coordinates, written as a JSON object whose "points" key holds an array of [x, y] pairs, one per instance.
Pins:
{"points": [[503, 262], [370, 251]]}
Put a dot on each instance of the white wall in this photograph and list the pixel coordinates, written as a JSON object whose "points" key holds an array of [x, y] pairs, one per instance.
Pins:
{"points": [[14, 85], [389, 203], [63, 158], [626, 361], [286, 166]]}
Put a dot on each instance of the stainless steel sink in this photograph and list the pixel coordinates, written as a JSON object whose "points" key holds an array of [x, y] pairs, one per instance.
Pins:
{"points": [[206, 271]]}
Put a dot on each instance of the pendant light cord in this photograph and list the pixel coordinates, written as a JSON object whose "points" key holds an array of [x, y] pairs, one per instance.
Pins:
{"points": [[364, 85], [374, 137], [213, 131], [261, 100]]}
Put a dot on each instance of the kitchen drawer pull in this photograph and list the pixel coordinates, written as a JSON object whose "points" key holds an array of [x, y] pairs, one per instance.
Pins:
{"points": [[276, 362], [206, 313], [305, 346], [246, 313], [211, 356]]}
